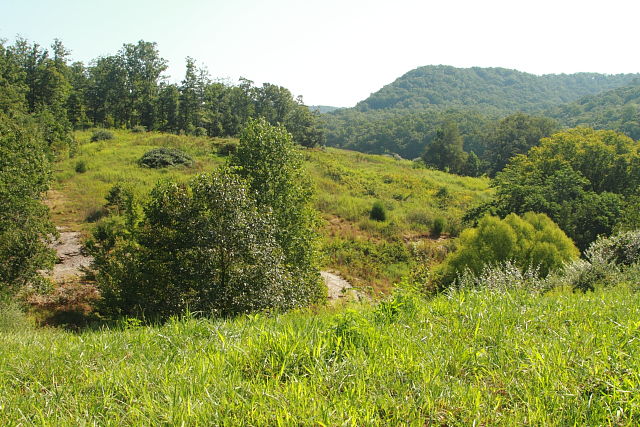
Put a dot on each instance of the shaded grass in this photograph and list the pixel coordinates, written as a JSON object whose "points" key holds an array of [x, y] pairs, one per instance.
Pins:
{"points": [[470, 357]]}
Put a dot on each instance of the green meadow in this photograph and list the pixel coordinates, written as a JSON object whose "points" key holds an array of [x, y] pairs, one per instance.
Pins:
{"points": [[462, 358]]}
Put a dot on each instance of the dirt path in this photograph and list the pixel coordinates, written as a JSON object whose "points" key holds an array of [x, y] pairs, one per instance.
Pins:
{"points": [[340, 289], [71, 262]]}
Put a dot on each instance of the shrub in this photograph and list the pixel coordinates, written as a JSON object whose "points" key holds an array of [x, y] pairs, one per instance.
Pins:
{"points": [[200, 131], [101, 135], [530, 241], [438, 227], [378, 212], [620, 249], [12, 318], [501, 277], [607, 260], [138, 129], [164, 157], [95, 214], [119, 198], [227, 149], [81, 166]]}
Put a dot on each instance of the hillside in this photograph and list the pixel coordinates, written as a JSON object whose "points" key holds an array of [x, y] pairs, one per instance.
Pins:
{"points": [[367, 252], [489, 89], [616, 109]]}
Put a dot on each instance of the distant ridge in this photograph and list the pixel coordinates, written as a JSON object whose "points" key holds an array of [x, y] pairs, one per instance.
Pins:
{"points": [[323, 108], [498, 89]]}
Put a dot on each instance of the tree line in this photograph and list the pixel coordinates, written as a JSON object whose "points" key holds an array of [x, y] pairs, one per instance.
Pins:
{"points": [[128, 89]]}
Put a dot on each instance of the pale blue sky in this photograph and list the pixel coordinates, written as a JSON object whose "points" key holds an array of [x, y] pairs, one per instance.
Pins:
{"points": [[337, 52]]}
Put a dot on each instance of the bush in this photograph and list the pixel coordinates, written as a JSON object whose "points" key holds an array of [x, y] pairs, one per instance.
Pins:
{"points": [[532, 241], [95, 214], [69, 304], [200, 131], [81, 166], [378, 212], [164, 157], [621, 249], [12, 318], [608, 258], [227, 149], [138, 129], [438, 227], [101, 135], [501, 277]]}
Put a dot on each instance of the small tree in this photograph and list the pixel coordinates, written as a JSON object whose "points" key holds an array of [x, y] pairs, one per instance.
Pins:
{"points": [[204, 247], [446, 151], [270, 161]]}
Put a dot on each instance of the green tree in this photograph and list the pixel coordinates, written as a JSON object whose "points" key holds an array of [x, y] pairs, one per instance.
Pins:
{"points": [[24, 220], [271, 163], [515, 134], [579, 177], [446, 151], [204, 246]]}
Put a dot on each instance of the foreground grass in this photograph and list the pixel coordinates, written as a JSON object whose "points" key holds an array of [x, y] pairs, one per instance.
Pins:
{"points": [[515, 358]]}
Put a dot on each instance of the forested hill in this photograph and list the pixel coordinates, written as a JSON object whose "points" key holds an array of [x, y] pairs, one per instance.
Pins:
{"points": [[617, 109], [498, 89]]}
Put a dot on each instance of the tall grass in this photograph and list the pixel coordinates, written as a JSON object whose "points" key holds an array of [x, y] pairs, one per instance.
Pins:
{"points": [[470, 357]]}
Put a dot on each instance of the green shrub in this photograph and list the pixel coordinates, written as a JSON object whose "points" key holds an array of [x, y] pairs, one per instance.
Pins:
{"points": [[228, 148], [202, 246], [200, 131], [608, 259], [164, 157], [620, 249], [95, 214], [101, 135], [438, 227], [12, 318], [81, 166], [532, 241], [378, 212]]}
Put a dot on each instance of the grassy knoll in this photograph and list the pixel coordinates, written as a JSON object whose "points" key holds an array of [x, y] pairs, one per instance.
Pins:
{"points": [[367, 252], [469, 357]]}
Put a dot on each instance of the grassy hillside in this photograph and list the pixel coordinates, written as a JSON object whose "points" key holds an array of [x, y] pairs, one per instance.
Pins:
{"points": [[465, 358], [368, 252], [499, 89]]}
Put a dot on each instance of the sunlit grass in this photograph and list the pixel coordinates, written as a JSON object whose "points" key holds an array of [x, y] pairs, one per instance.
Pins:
{"points": [[469, 357]]}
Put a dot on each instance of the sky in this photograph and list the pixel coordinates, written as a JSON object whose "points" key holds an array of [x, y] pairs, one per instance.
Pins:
{"points": [[337, 52]]}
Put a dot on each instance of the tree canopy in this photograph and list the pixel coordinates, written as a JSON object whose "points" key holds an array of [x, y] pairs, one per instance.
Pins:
{"points": [[579, 177]]}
